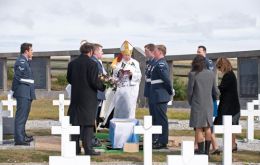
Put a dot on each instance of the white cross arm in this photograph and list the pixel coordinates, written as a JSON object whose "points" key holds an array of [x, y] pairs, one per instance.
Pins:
{"points": [[153, 130], [58, 102], [9, 102], [220, 129], [250, 112], [57, 130]]}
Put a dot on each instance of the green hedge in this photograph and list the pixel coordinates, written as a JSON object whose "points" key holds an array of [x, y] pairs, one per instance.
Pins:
{"points": [[180, 89]]}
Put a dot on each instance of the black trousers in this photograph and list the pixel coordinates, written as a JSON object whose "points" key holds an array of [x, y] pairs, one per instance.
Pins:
{"points": [[86, 135], [21, 116]]}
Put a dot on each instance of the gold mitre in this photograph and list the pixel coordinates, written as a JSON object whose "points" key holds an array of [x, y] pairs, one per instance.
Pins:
{"points": [[126, 48]]}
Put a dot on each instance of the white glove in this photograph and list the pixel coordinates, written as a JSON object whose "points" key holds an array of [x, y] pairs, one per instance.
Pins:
{"points": [[173, 92], [11, 93]]}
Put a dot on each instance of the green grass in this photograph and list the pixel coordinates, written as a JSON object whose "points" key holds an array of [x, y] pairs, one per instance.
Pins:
{"points": [[43, 109], [172, 114], [20, 156]]}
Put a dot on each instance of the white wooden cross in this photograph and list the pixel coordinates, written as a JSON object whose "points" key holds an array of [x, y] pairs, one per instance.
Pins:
{"points": [[250, 113], [10, 103], [148, 130], [227, 129], [68, 148], [61, 103], [2, 114], [187, 156], [65, 130]]}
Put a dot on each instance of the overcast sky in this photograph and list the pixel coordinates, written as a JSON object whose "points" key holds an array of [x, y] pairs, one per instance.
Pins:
{"points": [[182, 25]]}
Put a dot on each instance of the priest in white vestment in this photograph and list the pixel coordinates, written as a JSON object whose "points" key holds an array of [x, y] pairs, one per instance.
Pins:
{"points": [[128, 74]]}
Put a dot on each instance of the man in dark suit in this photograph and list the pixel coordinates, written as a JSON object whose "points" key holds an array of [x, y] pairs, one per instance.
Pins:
{"points": [[23, 88], [82, 74], [161, 93]]}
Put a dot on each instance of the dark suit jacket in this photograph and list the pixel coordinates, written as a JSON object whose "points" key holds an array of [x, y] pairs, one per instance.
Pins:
{"points": [[229, 101], [82, 74], [101, 94], [23, 85]]}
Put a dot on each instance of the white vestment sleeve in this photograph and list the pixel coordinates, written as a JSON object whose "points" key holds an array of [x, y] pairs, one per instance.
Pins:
{"points": [[136, 77], [68, 90]]}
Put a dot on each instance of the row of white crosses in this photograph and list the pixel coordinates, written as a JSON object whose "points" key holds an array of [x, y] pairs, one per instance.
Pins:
{"points": [[68, 148], [188, 157], [251, 113], [148, 129]]}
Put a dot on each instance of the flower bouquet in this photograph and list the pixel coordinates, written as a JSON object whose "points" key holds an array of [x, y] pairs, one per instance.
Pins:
{"points": [[108, 81]]}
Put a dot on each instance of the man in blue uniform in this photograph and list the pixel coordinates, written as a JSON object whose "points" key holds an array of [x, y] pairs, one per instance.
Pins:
{"points": [[149, 52], [161, 93], [97, 56], [24, 92]]}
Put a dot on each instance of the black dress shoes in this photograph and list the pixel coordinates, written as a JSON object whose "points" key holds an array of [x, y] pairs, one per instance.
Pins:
{"points": [[28, 139], [159, 146], [92, 153], [22, 144], [96, 142]]}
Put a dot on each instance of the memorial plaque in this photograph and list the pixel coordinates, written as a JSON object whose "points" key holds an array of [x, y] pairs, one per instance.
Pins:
{"points": [[8, 126], [248, 77], [39, 68], [1, 74]]}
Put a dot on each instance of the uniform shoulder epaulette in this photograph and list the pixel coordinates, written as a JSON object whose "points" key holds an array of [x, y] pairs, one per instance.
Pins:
{"points": [[22, 61], [161, 64]]}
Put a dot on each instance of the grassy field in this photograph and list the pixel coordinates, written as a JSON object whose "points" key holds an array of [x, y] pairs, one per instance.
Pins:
{"points": [[43, 109]]}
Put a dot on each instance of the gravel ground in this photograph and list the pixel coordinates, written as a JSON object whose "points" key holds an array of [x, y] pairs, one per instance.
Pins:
{"points": [[9, 144], [242, 145], [173, 124]]}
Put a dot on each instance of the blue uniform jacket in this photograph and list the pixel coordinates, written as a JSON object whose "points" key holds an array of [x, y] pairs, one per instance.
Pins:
{"points": [[210, 64], [149, 65], [100, 95], [161, 86], [23, 83]]}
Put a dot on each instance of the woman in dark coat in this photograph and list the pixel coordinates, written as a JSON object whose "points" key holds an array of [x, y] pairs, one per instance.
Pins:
{"points": [[229, 101], [201, 88], [83, 76]]}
